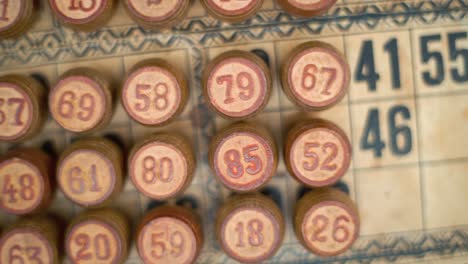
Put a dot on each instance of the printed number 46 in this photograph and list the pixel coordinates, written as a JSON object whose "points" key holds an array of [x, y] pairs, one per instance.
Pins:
{"points": [[401, 142]]}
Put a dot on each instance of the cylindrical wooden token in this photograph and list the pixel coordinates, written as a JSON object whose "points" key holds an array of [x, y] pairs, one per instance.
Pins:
{"points": [[161, 166], [22, 107], [26, 181], [237, 84], [315, 76], [154, 92], [82, 100], [306, 8], [250, 228], [99, 236], [317, 153], [157, 14], [243, 156], [86, 15], [169, 234], [232, 11], [31, 240], [326, 222], [16, 17], [89, 172]]}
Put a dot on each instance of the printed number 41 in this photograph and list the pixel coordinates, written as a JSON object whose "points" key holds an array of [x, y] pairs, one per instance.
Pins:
{"points": [[401, 142]]}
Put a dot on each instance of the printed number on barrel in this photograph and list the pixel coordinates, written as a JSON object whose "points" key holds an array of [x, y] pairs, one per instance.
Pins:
{"points": [[154, 170], [86, 103], [3, 10], [26, 191], [100, 247], [77, 183], [80, 5], [254, 233], [244, 81], [161, 101], [232, 158], [329, 147], [18, 254], [159, 242], [340, 232], [17, 105], [309, 77]]}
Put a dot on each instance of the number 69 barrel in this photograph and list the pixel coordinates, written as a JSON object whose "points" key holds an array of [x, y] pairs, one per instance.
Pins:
{"points": [[326, 222], [90, 172], [81, 101], [317, 153]]}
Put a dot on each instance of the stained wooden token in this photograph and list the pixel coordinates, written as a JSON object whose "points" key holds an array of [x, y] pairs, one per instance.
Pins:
{"points": [[22, 109], [237, 84], [326, 222], [90, 172], [30, 240], [250, 228], [244, 157], [169, 234], [81, 101], [306, 8], [157, 14], [26, 181], [16, 17], [98, 236], [161, 166], [154, 92], [315, 76], [317, 153], [87, 15], [232, 10]]}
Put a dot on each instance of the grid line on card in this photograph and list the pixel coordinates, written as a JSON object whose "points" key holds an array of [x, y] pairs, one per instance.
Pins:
{"points": [[418, 137], [351, 127]]}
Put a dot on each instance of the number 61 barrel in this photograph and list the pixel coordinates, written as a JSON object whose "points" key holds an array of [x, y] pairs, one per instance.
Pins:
{"points": [[90, 172]]}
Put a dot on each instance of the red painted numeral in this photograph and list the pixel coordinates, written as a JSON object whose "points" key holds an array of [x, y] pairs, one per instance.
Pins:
{"points": [[19, 254], [101, 247], [152, 172], [340, 232], [77, 183], [160, 240], [26, 192], [160, 102], [314, 160], [244, 82], [309, 77], [78, 5], [236, 169], [254, 233], [12, 102], [86, 103]]}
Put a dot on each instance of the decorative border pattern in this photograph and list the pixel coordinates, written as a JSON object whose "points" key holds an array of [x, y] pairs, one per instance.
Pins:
{"points": [[63, 44]]}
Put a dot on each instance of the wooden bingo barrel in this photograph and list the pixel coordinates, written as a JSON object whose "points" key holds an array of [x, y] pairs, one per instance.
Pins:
{"points": [[89, 172], [237, 84], [244, 157], [157, 14], [82, 101], [315, 76], [26, 181], [86, 15], [22, 108], [161, 166], [98, 237], [326, 222], [16, 17], [154, 92], [306, 8], [317, 153], [169, 234], [31, 240], [232, 10], [250, 228]]}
